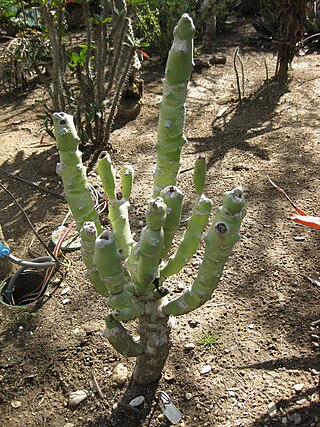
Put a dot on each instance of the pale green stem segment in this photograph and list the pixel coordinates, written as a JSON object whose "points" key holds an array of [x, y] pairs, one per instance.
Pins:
{"points": [[172, 107], [88, 238], [121, 339], [118, 209], [172, 197], [191, 238], [108, 262], [199, 175], [73, 172], [220, 239], [127, 181], [150, 246], [107, 174]]}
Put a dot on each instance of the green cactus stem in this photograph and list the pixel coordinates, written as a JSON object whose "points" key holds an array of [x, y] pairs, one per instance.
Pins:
{"points": [[172, 107], [88, 238], [131, 274], [108, 262], [118, 209], [220, 239], [199, 175], [121, 339], [107, 175], [73, 172], [191, 238], [172, 197], [127, 181], [150, 246]]}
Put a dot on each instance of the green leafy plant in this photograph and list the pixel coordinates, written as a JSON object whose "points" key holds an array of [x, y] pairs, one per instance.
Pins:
{"points": [[88, 79], [133, 274], [24, 57], [208, 340], [266, 25], [154, 21]]}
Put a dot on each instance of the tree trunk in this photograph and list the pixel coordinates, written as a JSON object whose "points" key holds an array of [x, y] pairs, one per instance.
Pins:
{"points": [[154, 329], [290, 33]]}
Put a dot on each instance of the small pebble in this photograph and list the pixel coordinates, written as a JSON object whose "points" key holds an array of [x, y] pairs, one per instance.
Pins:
{"points": [[65, 291], [189, 346], [298, 387], [188, 396], [15, 404], [77, 397], [206, 369], [169, 376], [65, 301], [299, 238], [137, 401], [119, 375], [272, 409]]}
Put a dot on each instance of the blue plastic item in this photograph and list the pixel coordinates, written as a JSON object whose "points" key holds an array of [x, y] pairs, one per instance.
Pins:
{"points": [[4, 250]]}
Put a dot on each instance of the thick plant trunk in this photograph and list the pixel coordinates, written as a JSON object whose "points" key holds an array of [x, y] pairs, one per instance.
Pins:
{"points": [[154, 329], [291, 18]]}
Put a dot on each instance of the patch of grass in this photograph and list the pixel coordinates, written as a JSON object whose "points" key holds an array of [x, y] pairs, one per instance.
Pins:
{"points": [[208, 340]]}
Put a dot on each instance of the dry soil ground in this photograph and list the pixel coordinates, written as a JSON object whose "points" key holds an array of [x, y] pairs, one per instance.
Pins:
{"points": [[265, 364]]}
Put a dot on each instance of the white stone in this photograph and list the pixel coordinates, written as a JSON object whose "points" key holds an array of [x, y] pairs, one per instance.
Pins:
{"points": [[119, 375], [298, 387], [137, 401], [189, 346], [272, 409], [65, 290], [77, 397], [15, 404], [206, 369]]}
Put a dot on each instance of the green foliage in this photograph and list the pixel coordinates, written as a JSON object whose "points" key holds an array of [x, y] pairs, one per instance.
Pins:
{"points": [[154, 21], [208, 340], [88, 78], [266, 25], [23, 58], [224, 8], [7, 9], [20, 14]]}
